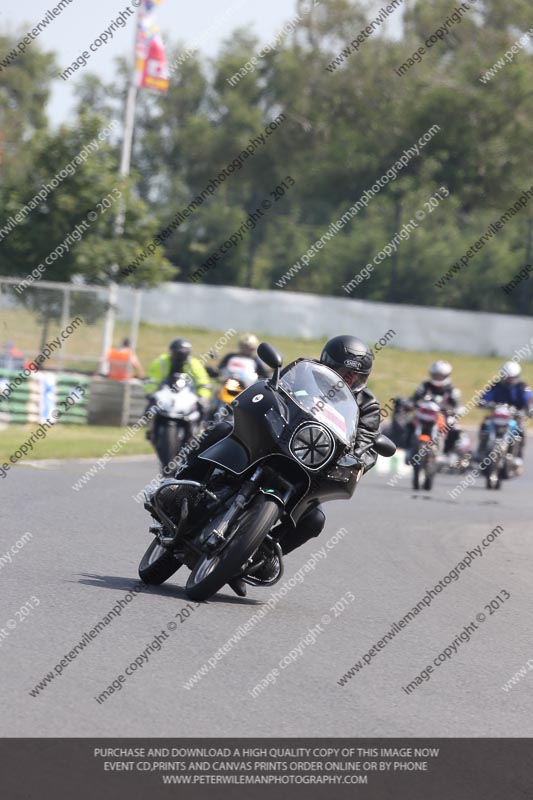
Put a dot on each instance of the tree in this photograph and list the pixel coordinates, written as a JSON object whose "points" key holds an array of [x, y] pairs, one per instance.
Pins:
{"points": [[348, 117]]}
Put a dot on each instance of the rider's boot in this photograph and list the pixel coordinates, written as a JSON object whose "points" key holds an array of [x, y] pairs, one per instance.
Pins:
{"points": [[309, 526]]}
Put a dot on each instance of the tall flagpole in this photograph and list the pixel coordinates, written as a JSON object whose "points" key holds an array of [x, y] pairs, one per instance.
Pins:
{"points": [[154, 76], [124, 171], [129, 126]]}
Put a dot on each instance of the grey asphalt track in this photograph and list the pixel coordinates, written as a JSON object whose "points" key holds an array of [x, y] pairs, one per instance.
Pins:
{"points": [[83, 559]]}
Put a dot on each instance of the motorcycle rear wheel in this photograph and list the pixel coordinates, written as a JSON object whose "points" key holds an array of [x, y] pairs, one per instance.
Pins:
{"points": [[211, 573]]}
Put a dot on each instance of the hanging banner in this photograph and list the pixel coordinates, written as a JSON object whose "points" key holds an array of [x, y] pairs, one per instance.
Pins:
{"points": [[151, 69]]}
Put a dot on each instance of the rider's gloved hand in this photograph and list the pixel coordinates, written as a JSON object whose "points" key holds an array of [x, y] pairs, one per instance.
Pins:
{"points": [[352, 460]]}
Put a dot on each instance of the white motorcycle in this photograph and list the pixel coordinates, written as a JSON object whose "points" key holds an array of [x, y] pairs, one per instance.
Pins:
{"points": [[178, 417]]}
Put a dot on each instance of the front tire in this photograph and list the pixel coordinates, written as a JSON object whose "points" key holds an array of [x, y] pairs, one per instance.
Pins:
{"points": [[211, 573], [169, 440], [158, 564], [493, 480]]}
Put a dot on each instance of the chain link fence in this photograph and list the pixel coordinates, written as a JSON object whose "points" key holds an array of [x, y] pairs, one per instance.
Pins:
{"points": [[54, 337]]}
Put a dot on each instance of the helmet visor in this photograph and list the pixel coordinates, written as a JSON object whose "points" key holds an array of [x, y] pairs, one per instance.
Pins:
{"points": [[355, 380], [439, 379]]}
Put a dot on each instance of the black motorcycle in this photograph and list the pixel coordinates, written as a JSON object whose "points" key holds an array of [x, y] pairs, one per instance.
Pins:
{"points": [[289, 451], [398, 428]]}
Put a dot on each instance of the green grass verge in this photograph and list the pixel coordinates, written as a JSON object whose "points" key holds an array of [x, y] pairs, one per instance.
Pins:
{"points": [[70, 441]]}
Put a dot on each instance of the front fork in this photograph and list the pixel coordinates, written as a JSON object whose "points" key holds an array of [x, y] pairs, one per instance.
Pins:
{"points": [[217, 536]]}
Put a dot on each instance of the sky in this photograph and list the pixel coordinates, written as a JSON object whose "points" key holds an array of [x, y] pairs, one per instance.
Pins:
{"points": [[203, 24]]}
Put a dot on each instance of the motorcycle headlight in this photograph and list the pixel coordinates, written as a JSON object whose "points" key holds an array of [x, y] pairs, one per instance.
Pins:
{"points": [[313, 445]]}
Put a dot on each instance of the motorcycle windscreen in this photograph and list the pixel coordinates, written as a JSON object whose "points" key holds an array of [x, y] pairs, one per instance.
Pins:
{"points": [[319, 391]]}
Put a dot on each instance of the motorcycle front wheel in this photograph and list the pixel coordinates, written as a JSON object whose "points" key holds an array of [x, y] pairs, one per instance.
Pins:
{"points": [[158, 564], [211, 573], [169, 440], [430, 468], [428, 481], [494, 478]]}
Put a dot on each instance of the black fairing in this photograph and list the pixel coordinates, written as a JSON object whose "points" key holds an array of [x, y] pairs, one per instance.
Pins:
{"points": [[264, 421], [251, 438]]}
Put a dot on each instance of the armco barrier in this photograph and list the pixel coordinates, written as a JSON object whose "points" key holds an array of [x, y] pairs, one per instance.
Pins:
{"points": [[393, 466]]}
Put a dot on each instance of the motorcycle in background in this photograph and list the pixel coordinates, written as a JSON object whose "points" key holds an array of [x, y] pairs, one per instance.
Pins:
{"points": [[177, 419], [398, 428], [502, 446], [427, 423], [238, 374], [289, 450], [459, 458]]}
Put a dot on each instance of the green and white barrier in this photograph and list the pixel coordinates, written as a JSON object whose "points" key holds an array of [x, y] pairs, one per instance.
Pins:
{"points": [[32, 399], [393, 466]]}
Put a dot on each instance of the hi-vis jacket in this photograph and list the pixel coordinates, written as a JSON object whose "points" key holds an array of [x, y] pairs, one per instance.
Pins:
{"points": [[160, 369]]}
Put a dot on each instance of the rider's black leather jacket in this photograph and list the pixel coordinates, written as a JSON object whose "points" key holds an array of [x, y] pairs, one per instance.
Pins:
{"points": [[448, 397], [369, 421]]}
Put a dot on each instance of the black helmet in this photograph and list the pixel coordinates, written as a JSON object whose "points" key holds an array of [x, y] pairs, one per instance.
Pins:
{"points": [[350, 358], [180, 350]]}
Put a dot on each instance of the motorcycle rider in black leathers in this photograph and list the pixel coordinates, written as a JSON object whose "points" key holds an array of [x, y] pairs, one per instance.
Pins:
{"points": [[352, 360]]}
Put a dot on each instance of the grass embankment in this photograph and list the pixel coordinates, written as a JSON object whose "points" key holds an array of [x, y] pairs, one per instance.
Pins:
{"points": [[70, 441], [396, 372]]}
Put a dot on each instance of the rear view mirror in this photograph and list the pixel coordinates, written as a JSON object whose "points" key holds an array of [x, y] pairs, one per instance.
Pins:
{"points": [[384, 446], [270, 355]]}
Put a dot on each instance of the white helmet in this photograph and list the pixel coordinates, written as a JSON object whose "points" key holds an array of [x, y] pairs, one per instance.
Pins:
{"points": [[248, 344], [510, 372], [440, 373]]}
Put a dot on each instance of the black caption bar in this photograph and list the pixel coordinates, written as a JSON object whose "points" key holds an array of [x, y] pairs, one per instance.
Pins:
{"points": [[314, 769]]}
